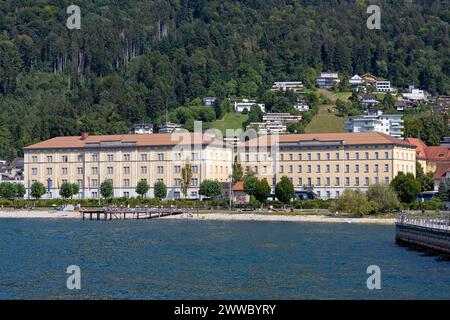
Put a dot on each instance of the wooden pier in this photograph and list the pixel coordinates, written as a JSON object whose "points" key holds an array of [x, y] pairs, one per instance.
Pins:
{"points": [[117, 213], [425, 234]]}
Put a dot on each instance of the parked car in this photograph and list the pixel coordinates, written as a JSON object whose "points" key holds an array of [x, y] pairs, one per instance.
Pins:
{"points": [[306, 195]]}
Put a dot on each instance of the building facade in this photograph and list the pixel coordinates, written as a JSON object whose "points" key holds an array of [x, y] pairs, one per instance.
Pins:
{"points": [[383, 86], [247, 105], [125, 160], [330, 163]]}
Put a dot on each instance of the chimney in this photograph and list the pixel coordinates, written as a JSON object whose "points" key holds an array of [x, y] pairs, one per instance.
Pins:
{"points": [[84, 135]]}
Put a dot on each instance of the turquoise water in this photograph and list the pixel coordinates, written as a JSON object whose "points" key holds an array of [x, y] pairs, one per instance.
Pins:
{"points": [[211, 260]]}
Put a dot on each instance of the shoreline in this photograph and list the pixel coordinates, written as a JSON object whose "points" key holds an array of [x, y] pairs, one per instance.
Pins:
{"points": [[36, 214]]}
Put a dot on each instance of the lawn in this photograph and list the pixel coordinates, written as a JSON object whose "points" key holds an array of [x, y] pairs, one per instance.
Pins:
{"points": [[326, 121], [231, 120]]}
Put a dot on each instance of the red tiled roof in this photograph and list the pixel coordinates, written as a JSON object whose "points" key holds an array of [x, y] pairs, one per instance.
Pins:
{"points": [[441, 171], [239, 186], [424, 152], [348, 138], [140, 140]]}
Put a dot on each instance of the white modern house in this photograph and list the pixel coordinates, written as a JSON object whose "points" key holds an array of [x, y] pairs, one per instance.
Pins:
{"points": [[268, 128], [326, 80], [142, 128], [246, 104], [415, 95], [281, 117], [356, 81], [169, 127], [377, 122], [301, 106], [292, 85], [383, 86]]}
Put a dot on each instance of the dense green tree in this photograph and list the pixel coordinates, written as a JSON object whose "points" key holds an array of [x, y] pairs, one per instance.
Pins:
{"points": [[383, 198], [425, 179], [186, 178], [142, 188], [210, 189], [38, 190], [284, 190], [238, 172], [8, 190], [21, 190], [262, 190], [354, 202], [66, 190], [407, 187], [107, 189], [444, 190], [160, 190]]}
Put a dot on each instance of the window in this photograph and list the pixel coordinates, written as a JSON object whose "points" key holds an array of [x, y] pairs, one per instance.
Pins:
{"points": [[318, 156], [328, 181], [299, 169], [366, 183], [177, 182], [177, 169], [356, 181], [160, 156], [144, 157], [126, 157], [300, 157], [265, 170], [377, 167], [347, 181], [94, 170], [309, 156], [194, 182], [110, 157], [80, 170], [386, 168], [49, 159], [377, 156], [49, 171], [318, 181], [94, 182], [328, 168], [367, 156], [80, 184], [337, 182], [366, 168], [337, 156], [65, 159], [64, 171], [194, 156], [178, 156], [356, 168], [144, 169], [386, 180], [357, 155], [95, 157], [110, 170], [34, 159], [386, 155], [347, 168], [337, 168], [309, 182], [318, 169], [281, 157], [347, 156], [291, 169], [291, 156], [95, 194], [328, 156], [126, 170], [300, 181], [281, 169], [126, 182], [80, 158], [160, 169], [194, 169], [309, 169], [34, 171]]}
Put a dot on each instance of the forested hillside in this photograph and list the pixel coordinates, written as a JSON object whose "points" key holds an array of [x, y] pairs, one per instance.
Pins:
{"points": [[132, 60]]}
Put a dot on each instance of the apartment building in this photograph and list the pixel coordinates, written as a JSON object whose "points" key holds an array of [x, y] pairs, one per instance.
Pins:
{"points": [[125, 160], [329, 163], [383, 86], [291, 85], [326, 80], [281, 117], [390, 124]]}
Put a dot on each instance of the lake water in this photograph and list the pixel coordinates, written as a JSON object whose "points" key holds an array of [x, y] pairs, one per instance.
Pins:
{"points": [[162, 259]]}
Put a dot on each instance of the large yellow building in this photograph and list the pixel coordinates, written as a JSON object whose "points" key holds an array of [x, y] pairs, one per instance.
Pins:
{"points": [[125, 160], [327, 164]]}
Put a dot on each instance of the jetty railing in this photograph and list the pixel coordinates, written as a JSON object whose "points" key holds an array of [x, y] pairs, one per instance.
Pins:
{"points": [[439, 221]]}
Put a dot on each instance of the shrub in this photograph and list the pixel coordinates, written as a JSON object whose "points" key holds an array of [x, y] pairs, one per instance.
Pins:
{"points": [[354, 202], [383, 198]]}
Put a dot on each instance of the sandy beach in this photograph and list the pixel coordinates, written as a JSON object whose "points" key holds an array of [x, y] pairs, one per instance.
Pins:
{"points": [[281, 218], [37, 214]]}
